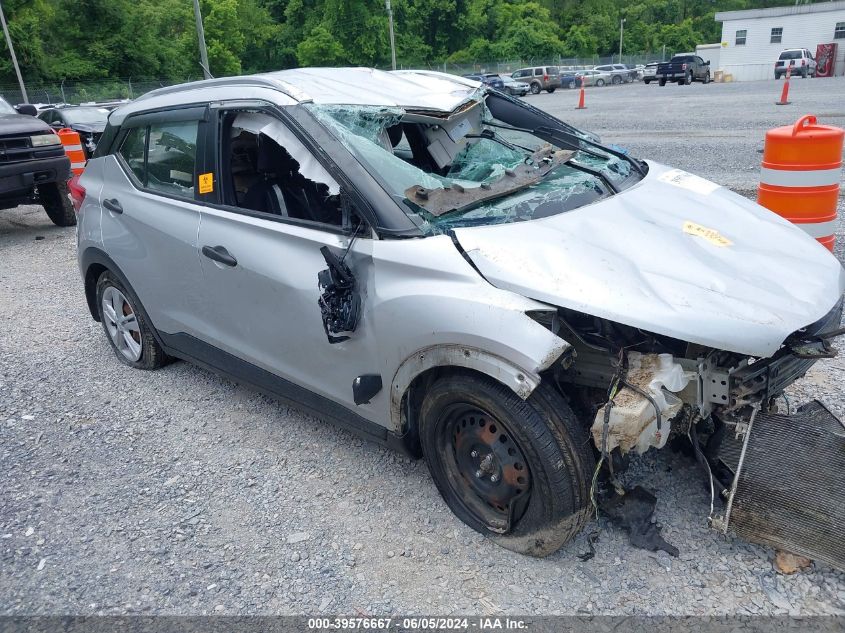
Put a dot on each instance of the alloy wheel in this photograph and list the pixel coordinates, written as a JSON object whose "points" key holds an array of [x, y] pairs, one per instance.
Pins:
{"points": [[122, 324]]}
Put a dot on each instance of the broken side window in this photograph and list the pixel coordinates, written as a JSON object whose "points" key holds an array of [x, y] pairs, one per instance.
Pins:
{"points": [[270, 170]]}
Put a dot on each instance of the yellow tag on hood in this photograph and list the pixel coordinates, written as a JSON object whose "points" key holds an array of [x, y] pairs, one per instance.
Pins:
{"points": [[711, 235]]}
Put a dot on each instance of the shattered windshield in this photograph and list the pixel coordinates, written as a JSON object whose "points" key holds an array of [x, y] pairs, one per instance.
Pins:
{"points": [[469, 168]]}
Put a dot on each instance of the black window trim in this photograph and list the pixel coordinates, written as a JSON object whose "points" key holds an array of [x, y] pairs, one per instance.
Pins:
{"points": [[744, 37], [839, 31]]}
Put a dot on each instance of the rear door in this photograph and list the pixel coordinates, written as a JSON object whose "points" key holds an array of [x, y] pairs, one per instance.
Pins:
{"points": [[150, 213]]}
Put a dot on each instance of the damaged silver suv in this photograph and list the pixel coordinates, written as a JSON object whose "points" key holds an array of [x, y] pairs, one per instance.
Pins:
{"points": [[455, 273]]}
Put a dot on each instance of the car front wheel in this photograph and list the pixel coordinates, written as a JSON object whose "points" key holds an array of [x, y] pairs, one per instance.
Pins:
{"points": [[54, 198], [535, 89], [662, 81], [518, 471], [550, 90], [125, 324], [707, 78]]}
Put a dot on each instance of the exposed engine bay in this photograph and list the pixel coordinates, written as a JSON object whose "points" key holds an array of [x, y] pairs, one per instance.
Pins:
{"points": [[639, 389]]}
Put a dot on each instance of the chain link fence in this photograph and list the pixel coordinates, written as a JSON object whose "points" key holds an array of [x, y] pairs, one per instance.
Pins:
{"points": [[567, 63], [76, 92]]}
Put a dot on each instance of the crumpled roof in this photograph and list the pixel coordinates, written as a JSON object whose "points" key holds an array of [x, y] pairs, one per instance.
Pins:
{"points": [[417, 90]]}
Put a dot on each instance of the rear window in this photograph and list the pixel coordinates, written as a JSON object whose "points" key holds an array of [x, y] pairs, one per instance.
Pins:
{"points": [[553, 70], [683, 58], [790, 55]]}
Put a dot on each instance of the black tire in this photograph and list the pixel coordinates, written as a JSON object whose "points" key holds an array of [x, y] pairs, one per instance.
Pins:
{"points": [[707, 77], [616, 80], [662, 81], [152, 355], [458, 412], [646, 81], [599, 83], [687, 79], [550, 90], [535, 88], [54, 198]]}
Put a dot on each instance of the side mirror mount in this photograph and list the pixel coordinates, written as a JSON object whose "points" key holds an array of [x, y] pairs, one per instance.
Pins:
{"points": [[707, 63], [26, 108]]}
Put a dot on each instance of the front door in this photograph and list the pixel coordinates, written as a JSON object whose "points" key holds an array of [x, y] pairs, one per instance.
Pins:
{"points": [[261, 262]]}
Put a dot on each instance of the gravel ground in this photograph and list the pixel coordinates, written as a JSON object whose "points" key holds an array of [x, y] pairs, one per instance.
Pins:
{"points": [[179, 492]]}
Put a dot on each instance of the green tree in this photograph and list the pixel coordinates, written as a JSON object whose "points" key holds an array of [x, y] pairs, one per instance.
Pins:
{"points": [[320, 48]]}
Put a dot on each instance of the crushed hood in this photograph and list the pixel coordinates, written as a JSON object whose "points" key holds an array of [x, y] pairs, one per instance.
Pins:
{"points": [[675, 255]]}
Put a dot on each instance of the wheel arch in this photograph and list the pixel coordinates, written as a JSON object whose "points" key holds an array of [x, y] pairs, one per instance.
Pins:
{"points": [[426, 365], [93, 263]]}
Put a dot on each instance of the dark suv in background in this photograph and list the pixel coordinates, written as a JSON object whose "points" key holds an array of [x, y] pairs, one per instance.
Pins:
{"points": [[34, 168]]}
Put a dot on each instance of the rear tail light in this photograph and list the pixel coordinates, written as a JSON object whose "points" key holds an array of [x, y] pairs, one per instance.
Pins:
{"points": [[77, 192], [803, 62], [545, 77]]}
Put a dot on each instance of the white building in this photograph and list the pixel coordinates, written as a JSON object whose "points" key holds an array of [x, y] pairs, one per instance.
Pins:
{"points": [[753, 39], [711, 53]]}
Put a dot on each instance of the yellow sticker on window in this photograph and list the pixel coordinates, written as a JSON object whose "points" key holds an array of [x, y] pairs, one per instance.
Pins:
{"points": [[206, 183], [711, 235]]}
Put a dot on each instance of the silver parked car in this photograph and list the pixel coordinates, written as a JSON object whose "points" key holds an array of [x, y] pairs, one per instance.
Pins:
{"points": [[595, 78], [619, 73], [442, 268]]}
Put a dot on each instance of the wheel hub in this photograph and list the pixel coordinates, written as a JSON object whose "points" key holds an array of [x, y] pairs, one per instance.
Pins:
{"points": [[489, 461]]}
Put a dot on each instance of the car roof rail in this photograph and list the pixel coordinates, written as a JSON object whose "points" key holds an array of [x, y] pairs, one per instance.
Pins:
{"points": [[258, 81]]}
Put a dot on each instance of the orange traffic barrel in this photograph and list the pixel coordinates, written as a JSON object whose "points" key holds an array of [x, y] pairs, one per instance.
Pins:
{"points": [[799, 179], [73, 148]]}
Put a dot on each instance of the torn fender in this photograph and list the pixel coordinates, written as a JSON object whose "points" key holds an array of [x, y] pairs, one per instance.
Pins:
{"points": [[521, 380]]}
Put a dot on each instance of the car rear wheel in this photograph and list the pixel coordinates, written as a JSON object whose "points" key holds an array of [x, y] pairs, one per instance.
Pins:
{"points": [[54, 198], [616, 80], [125, 324], [662, 81], [550, 90], [599, 82], [535, 88], [646, 81], [516, 470]]}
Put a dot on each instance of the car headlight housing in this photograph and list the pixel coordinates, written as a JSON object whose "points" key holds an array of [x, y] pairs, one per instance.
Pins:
{"points": [[41, 140]]}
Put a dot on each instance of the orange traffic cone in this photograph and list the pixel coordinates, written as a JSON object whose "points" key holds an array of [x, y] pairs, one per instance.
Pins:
{"points": [[581, 105], [784, 95]]}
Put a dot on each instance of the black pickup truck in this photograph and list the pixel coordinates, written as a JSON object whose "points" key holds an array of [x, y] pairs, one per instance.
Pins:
{"points": [[34, 168], [683, 69]]}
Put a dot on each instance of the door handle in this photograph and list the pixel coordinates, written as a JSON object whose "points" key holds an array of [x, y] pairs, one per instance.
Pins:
{"points": [[219, 254], [113, 205]]}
